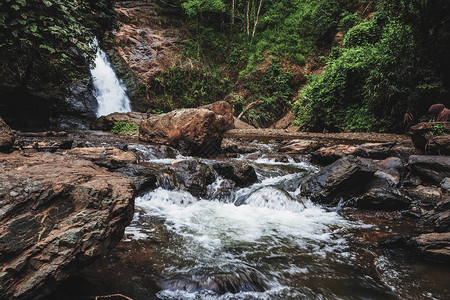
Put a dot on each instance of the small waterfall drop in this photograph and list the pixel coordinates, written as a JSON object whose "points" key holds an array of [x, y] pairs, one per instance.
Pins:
{"points": [[108, 90]]}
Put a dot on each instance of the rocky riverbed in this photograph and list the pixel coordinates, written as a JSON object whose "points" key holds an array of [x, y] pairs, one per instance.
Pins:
{"points": [[286, 218]]}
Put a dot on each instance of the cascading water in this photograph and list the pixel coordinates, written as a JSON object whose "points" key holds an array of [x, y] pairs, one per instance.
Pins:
{"points": [[108, 90], [257, 242]]}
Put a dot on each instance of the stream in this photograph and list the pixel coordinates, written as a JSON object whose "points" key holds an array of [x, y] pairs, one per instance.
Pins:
{"points": [[256, 242]]}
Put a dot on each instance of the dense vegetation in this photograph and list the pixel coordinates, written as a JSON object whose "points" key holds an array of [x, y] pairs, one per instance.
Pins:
{"points": [[389, 69], [48, 42], [390, 66]]}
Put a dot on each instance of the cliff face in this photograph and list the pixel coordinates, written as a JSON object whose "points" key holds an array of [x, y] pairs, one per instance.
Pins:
{"points": [[145, 45]]}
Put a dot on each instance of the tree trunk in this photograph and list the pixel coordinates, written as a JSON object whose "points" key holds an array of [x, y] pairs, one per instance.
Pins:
{"points": [[256, 21], [232, 12], [248, 18]]}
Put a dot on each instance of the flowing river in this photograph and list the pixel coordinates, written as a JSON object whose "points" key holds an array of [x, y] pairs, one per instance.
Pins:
{"points": [[257, 242]]}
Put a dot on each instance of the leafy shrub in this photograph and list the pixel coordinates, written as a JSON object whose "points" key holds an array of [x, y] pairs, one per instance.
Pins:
{"points": [[187, 87], [274, 88], [122, 127]]}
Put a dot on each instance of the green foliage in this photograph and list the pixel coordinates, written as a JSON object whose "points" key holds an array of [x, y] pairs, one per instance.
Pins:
{"points": [[380, 76], [122, 127], [274, 89], [187, 87], [438, 130], [195, 7], [47, 41]]}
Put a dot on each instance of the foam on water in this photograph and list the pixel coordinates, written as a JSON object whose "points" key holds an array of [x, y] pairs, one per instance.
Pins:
{"points": [[108, 90], [212, 238]]}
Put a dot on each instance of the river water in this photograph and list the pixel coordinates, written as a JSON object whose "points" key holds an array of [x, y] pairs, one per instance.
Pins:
{"points": [[259, 242]]}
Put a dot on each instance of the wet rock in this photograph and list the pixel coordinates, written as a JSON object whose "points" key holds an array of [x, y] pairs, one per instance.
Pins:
{"points": [[445, 184], [390, 169], [192, 175], [343, 179], [299, 147], [106, 123], [151, 152], [328, 155], [439, 145], [238, 147], [143, 177], [241, 173], [404, 149], [431, 168], [111, 157], [198, 132], [432, 137], [438, 218], [58, 213], [222, 190], [382, 199], [433, 246], [7, 137], [426, 193]]}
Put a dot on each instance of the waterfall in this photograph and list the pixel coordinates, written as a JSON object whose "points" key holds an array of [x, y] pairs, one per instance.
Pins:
{"points": [[108, 90]]}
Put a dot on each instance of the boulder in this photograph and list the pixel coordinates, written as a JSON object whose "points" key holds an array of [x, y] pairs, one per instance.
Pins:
{"points": [[299, 147], [57, 214], [429, 193], [222, 108], [106, 123], [7, 137], [196, 131], [432, 137], [381, 191], [192, 175], [343, 179], [110, 157], [241, 173], [327, 155], [439, 145], [144, 178], [382, 199], [433, 246], [438, 218], [390, 169], [431, 168]]}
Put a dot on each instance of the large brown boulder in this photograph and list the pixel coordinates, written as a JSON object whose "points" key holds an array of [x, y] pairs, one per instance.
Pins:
{"points": [[432, 137], [222, 108], [57, 214], [7, 137], [106, 123], [196, 131]]}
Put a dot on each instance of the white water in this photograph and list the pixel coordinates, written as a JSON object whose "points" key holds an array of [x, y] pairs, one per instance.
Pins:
{"points": [[216, 243], [108, 90]]}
